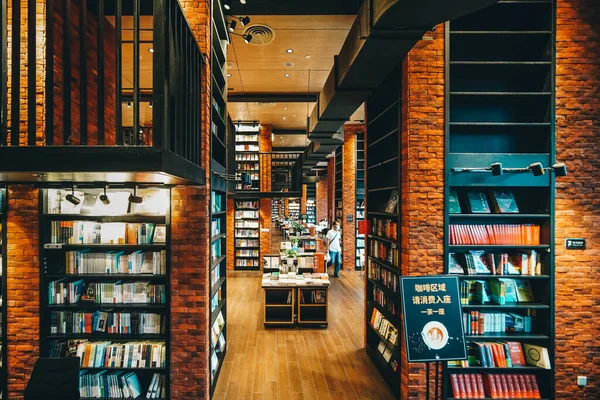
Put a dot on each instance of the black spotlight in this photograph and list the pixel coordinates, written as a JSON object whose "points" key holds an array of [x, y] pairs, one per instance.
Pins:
{"points": [[134, 198], [496, 169], [71, 198], [232, 25], [227, 4], [537, 169], [245, 20], [247, 38], [104, 198], [560, 169]]}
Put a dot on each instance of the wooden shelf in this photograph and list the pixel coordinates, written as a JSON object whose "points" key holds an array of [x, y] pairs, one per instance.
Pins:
{"points": [[385, 264], [499, 216], [507, 336], [96, 306], [383, 239], [537, 306], [126, 218]]}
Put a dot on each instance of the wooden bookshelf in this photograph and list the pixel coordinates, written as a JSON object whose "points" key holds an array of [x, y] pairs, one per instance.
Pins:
{"points": [[294, 208], [247, 234], [382, 178], [311, 203], [3, 270], [129, 320], [500, 108], [219, 117], [247, 155], [360, 199]]}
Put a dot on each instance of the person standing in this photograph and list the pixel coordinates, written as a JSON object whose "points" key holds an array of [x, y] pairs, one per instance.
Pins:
{"points": [[334, 237]]}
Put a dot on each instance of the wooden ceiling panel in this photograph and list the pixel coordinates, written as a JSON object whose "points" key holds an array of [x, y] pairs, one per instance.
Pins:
{"points": [[277, 82], [294, 114]]}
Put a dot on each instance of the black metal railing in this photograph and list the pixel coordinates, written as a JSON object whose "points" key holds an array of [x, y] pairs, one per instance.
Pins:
{"points": [[117, 72]]}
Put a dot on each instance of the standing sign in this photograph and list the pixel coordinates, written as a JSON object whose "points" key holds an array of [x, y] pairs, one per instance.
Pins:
{"points": [[433, 327]]}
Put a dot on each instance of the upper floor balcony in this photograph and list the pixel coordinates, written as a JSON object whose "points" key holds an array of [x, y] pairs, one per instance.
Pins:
{"points": [[100, 90]]}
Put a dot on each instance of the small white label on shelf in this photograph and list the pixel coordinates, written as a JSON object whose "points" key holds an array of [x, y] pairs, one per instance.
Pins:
{"points": [[265, 230], [53, 245]]}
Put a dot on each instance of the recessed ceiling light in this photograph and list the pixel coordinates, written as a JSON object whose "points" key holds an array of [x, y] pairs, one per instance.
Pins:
{"points": [[286, 75], [151, 50], [284, 118], [307, 56], [242, 108], [285, 108], [290, 50], [228, 74]]}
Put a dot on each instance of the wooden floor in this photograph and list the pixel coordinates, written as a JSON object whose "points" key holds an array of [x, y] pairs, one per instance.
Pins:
{"points": [[297, 363]]}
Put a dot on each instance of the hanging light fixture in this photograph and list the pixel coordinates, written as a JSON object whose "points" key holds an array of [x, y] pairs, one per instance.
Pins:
{"points": [[227, 4], [104, 198], [244, 20], [247, 38], [232, 25], [71, 198]]}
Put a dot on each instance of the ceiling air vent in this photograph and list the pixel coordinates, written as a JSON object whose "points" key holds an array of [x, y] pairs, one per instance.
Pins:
{"points": [[263, 105], [261, 34]]}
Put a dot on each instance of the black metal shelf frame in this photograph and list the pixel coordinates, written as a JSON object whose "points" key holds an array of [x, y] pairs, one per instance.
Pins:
{"points": [[3, 262]]}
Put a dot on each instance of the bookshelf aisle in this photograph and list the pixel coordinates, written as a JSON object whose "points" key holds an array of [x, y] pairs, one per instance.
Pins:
{"points": [[338, 190], [3, 320], [311, 203], [382, 187], [104, 285], [500, 229], [294, 209], [247, 235], [247, 155], [360, 198]]}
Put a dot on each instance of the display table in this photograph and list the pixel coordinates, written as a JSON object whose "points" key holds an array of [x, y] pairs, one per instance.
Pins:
{"points": [[296, 299]]}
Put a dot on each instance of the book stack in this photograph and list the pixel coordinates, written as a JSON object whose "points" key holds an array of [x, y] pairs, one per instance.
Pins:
{"points": [[496, 386], [495, 234], [385, 252], [93, 232], [139, 262], [384, 327], [122, 355], [78, 322], [480, 323]]}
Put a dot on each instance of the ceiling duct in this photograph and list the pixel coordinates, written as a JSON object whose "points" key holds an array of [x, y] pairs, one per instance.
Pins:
{"points": [[382, 34]]}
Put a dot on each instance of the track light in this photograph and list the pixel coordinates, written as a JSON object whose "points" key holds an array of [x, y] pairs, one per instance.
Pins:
{"points": [[245, 20], [134, 199], [227, 4], [247, 38], [71, 198], [232, 25], [537, 168], [243, 1], [560, 169], [128, 104], [104, 198]]}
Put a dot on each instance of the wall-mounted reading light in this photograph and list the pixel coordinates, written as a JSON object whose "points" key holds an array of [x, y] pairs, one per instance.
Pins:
{"points": [[104, 198], [71, 198]]}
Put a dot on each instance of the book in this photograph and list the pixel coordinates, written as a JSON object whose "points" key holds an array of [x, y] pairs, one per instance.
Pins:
{"points": [[454, 265], [523, 290], [453, 203], [537, 356], [478, 203], [392, 202], [503, 201], [516, 353]]}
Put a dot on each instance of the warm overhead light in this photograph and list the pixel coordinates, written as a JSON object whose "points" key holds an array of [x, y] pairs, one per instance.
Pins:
{"points": [[284, 118], [128, 104], [227, 4], [272, 137], [243, 1], [104, 198], [228, 75], [134, 199], [245, 20], [242, 108], [150, 104], [151, 49], [307, 56], [247, 38], [232, 25], [286, 75], [71, 198], [285, 108], [290, 50]]}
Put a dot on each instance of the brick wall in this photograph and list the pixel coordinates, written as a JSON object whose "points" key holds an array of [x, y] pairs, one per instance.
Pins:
{"points": [[265, 223], [303, 200], [265, 146], [189, 293], [422, 204], [322, 195], [578, 197], [91, 85], [349, 195], [22, 286]]}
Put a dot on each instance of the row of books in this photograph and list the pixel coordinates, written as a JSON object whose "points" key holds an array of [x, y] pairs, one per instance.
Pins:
{"points": [[246, 263], [505, 355], [241, 214], [139, 262], [476, 202], [496, 291], [384, 251], [64, 292], [496, 386], [124, 323], [383, 275], [122, 355], [216, 329], [247, 166], [246, 138], [246, 147], [385, 301], [480, 323], [240, 224], [246, 243], [214, 301], [246, 157], [247, 253], [215, 250], [475, 262], [119, 385], [93, 232], [216, 201], [388, 355], [306, 262], [246, 204], [384, 327], [312, 296], [495, 234], [385, 228], [246, 233], [215, 227]]}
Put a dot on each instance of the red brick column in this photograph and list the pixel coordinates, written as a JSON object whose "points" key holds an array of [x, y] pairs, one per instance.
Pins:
{"points": [[322, 195], [577, 198], [265, 223], [266, 146], [22, 286], [189, 293], [349, 195], [422, 207], [303, 200]]}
